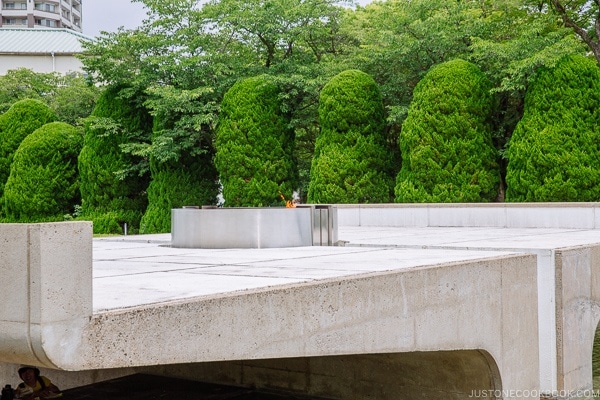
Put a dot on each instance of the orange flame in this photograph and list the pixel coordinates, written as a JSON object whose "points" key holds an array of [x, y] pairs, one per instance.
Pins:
{"points": [[288, 203]]}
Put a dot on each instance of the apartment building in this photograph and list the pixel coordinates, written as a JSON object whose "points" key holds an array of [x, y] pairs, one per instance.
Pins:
{"points": [[41, 14]]}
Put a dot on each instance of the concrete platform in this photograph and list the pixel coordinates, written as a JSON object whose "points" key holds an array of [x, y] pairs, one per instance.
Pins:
{"points": [[138, 303], [138, 271], [510, 306], [134, 271]]}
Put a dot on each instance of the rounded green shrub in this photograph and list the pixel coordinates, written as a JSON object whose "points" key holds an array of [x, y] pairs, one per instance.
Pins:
{"points": [[254, 146], [43, 183], [106, 192], [191, 180], [21, 119], [446, 142], [351, 163], [553, 154]]}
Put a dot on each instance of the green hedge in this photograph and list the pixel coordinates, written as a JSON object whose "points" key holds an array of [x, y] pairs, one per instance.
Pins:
{"points": [[107, 194], [254, 146], [554, 153], [446, 142], [21, 119], [352, 163], [43, 182]]}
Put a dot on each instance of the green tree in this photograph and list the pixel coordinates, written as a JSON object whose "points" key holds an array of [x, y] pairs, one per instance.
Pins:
{"points": [[352, 163], [399, 41], [71, 96], [446, 143], [202, 50], [44, 184], [553, 154], [254, 146], [113, 183], [22, 118], [278, 29], [23, 83], [583, 16], [73, 99], [186, 176]]}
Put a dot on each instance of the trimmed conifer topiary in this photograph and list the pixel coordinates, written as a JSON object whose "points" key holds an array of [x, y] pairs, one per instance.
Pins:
{"points": [[351, 163], [21, 119], [189, 181], [446, 143], [44, 184], [553, 154], [254, 146], [109, 197]]}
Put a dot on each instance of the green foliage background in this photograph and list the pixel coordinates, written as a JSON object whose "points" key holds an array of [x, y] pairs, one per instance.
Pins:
{"points": [[44, 184], [352, 163], [179, 64], [21, 119], [554, 152], [254, 146], [446, 143], [71, 96], [111, 193]]}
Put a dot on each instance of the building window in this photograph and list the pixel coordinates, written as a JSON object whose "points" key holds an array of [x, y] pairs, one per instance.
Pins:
{"points": [[15, 6], [48, 7], [45, 22], [14, 21]]}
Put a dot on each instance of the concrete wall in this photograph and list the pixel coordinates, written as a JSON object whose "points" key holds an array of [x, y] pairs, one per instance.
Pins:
{"points": [[502, 215], [42, 63], [46, 289], [568, 278], [578, 314]]}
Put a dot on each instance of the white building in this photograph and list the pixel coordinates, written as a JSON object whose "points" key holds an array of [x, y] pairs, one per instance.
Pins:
{"points": [[41, 50], [41, 13]]}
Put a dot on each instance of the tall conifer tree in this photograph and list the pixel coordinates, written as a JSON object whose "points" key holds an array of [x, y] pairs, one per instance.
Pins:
{"points": [[553, 153], [446, 142], [352, 163]]}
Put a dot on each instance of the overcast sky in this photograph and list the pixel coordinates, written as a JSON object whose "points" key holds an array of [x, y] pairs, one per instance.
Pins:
{"points": [[99, 15]]}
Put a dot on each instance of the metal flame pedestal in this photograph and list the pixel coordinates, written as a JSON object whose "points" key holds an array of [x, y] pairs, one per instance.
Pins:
{"points": [[273, 227]]}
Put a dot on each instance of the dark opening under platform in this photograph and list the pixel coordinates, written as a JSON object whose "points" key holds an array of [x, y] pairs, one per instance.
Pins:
{"points": [[151, 387]]}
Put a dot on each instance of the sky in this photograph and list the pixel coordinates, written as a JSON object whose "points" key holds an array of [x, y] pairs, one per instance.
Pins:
{"points": [[99, 15]]}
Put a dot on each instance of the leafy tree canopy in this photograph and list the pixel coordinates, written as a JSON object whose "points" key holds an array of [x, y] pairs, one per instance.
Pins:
{"points": [[583, 16], [188, 54], [71, 96], [401, 40]]}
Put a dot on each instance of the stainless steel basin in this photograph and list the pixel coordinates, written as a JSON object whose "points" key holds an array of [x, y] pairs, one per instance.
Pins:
{"points": [[223, 228]]}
